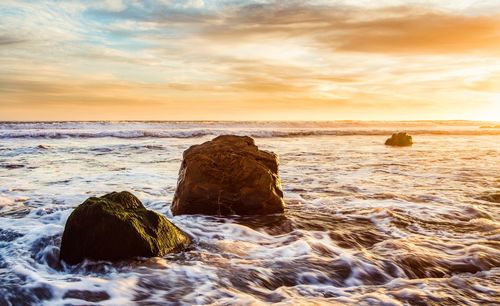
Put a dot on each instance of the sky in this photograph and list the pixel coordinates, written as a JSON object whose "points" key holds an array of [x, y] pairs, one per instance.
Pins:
{"points": [[249, 60]]}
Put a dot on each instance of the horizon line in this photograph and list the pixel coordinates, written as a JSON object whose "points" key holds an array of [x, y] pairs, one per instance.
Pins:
{"points": [[243, 121]]}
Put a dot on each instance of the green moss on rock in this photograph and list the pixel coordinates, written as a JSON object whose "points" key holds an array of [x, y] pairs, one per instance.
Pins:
{"points": [[117, 226]]}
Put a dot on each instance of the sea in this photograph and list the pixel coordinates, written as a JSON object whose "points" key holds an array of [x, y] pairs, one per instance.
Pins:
{"points": [[364, 223]]}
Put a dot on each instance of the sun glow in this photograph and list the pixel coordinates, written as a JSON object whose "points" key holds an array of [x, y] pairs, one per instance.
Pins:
{"points": [[306, 60], [494, 114]]}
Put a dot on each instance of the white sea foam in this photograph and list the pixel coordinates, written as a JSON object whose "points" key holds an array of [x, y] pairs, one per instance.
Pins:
{"points": [[262, 129], [364, 225]]}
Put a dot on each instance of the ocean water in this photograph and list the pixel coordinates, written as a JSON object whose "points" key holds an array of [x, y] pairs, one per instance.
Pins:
{"points": [[365, 224]]}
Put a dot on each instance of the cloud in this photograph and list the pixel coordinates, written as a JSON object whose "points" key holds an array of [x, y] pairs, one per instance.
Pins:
{"points": [[110, 5], [306, 58], [10, 40], [428, 33], [408, 30]]}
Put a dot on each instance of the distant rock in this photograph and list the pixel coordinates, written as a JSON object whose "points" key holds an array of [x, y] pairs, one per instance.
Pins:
{"points": [[42, 147], [117, 226], [226, 176], [399, 140]]}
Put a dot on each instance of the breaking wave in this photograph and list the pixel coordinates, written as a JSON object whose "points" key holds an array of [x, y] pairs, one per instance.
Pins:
{"points": [[364, 224], [128, 134]]}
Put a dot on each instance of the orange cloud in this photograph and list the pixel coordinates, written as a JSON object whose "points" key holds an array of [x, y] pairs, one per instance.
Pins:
{"points": [[387, 30], [430, 33], [262, 61]]}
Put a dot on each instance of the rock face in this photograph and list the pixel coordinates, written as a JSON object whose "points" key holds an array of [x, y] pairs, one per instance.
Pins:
{"points": [[228, 175], [117, 226], [492, 197], [399, 140]]}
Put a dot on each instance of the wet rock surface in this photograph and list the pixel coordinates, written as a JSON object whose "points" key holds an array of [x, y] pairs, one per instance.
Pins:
{"points": [[87, 295], [117, 226], [228, 175], [399, 140], [8, 235]]}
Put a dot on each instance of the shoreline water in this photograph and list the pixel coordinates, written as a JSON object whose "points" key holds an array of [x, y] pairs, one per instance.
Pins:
{"points": [[255, 129], [364, 223]]}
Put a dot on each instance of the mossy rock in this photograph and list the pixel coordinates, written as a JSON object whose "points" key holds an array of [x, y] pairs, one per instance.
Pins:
{"points": [[399, 140], [117, 226]]}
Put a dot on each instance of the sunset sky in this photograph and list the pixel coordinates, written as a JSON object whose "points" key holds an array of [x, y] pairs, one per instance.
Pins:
{"points": [[249, 60]]}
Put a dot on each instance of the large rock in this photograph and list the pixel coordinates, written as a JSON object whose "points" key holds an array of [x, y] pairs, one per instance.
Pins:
{"points": [[117, 226], [228, 175], [399, 140]]}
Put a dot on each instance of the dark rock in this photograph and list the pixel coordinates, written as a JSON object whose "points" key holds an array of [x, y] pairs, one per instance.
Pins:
{"points": [[399, 140], [87, 295], [43, 292], [17, 289], [9, 235], [12, 166], [228, 175], [45, 251], [117, 226]]}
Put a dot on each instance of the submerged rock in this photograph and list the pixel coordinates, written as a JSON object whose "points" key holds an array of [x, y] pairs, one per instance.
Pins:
{"points": [[228, 175], [117, 226], [87, 295], [12, 166], [399, 140]]}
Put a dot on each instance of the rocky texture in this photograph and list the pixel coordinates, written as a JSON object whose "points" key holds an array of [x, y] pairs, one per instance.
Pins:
{"points": [[399, 140], [87, 295], [228, 175], [492, 197], [117, 226]]}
